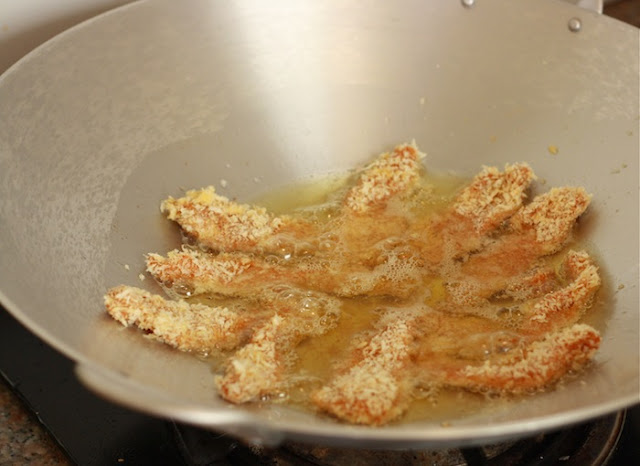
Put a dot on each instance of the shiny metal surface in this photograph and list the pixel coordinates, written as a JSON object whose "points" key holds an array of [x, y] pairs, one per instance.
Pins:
{"points": [[99, 124], [574, 25], [594, 5]]}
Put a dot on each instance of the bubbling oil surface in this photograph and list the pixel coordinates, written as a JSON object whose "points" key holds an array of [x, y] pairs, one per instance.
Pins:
{"points": [[315, 358]]}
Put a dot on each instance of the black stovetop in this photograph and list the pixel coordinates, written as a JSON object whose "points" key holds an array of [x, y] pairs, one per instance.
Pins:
{"points": [[93, 431]]}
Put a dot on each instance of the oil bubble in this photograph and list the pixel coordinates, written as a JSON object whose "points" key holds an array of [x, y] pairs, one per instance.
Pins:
{"points": [[272, 259], [182, 290]]}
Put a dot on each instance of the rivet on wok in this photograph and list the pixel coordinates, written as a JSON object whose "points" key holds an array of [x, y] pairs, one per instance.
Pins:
{"points": [[468, 3], [575, 24]]}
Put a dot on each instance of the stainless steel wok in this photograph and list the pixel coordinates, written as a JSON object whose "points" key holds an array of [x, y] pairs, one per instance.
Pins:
{"points": [[104, 121]]}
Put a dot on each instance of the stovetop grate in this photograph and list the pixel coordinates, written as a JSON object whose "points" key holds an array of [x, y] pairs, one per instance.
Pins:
{"points": [[585, 444]]}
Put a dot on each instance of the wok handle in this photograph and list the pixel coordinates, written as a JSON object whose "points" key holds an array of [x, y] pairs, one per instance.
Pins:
{"points": [[127, 392]]}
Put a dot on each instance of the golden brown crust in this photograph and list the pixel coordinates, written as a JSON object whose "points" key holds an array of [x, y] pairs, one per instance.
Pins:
{"points": [[565, 306], [485, 253], [494, 196], [477, 212], [376, 386], [236, 274], [188, 327], [260, 369], [390, 174], [552, 216], [201, 272], [539, 365], [255, 371], [220, 224]]}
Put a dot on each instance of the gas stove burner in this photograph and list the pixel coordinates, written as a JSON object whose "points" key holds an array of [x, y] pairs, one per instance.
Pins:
{"points": [[586, 444]]}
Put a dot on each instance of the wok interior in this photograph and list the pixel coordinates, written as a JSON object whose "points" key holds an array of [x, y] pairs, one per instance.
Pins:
{"points": [[103, 122]]}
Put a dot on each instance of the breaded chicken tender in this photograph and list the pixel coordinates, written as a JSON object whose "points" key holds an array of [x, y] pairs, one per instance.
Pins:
{"points": [[478, 292], [260, 368], [494, 196], [376, 387], [480, 209], [537, 230], [388, 175], [220, 224], [567, 305], [188, 327], [537, 366], [232, 274]]}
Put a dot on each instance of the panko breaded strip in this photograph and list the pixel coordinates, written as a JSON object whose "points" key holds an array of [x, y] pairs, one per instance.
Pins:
{"points": [[552, 216], [493, 196], [376, 387], [187, 327], [532, 284], [539, 364], [567, 305], [220, 224], [390, 174], [260, 368], [539, 312], [256, 369], [481, 208], [472, 291], [537, 230], [199, 272], [232, 274]]}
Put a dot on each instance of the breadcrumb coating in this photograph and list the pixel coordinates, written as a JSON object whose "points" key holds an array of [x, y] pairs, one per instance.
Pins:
{"points": [[567, 305], [236, 274], [532, 284], [552, 215], [520, 248], [539, 365], [260, 368], [477, 212], [199, 272], [256, 369], [188, 327], [390, 174], [480, 302], [223, 225], [494, 196], [376, 388]]}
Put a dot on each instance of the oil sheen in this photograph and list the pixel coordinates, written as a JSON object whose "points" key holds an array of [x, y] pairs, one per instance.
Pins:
{"points": [[314, 359]]}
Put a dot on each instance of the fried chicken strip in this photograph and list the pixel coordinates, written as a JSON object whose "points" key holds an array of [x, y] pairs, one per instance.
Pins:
{"points": [[551, 217], [532, 284], [260, 368], [493, 196], [534, 311], [539, 364], [565, 306], [376, 386], [537, 230], [389, 175], [220, 224], [256, 369], [481, 208], [187, 327], [231, 274]]}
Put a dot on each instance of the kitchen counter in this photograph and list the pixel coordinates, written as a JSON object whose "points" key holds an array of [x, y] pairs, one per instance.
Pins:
{"points": [[23, 440]]}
